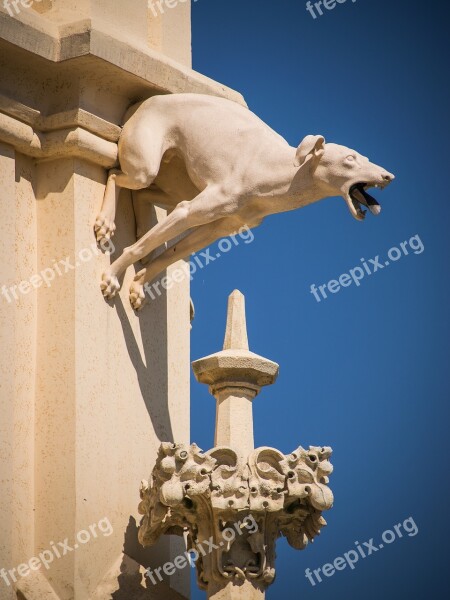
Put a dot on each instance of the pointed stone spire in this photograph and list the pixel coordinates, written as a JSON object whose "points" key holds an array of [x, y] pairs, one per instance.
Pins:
{"points": [[236, 329], [235, 376]]}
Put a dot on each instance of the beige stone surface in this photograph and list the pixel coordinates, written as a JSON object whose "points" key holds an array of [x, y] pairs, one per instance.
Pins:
{"points": [[168, 33], [88, 389], [101, 375], [18, 245], [71, 393]]}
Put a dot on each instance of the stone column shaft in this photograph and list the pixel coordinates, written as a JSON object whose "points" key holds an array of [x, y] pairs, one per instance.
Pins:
{"points": [[234, 419]]}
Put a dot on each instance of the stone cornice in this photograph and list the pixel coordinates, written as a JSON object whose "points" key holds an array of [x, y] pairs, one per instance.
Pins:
{"points": [[81, 39], [69, 118], [67, 141]]}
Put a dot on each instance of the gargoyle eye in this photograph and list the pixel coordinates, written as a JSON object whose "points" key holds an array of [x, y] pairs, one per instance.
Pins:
{"points": [[351, 157], [312, 457]]}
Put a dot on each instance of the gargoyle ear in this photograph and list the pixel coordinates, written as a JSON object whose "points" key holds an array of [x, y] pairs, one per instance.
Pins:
{"points": [[311, 148]]}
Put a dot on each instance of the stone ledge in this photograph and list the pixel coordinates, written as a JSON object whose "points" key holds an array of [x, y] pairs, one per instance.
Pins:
{"points": [[75, 142], [63, 120], [81, 39]]}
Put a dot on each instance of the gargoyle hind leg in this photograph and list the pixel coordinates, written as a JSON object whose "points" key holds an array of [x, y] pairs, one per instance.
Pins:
{"points": [[208, 206], [144, 211], [199, 238]]}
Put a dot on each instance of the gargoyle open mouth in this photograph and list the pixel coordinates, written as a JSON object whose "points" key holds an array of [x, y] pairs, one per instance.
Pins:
{"points": [[358, 197]]}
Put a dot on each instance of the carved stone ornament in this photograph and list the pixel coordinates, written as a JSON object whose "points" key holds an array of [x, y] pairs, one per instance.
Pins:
{"points": [[218, 169], [233, 502], [210, 496]]}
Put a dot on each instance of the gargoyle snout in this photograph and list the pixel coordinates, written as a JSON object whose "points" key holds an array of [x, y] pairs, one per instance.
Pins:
{"points": [[387, 177]]}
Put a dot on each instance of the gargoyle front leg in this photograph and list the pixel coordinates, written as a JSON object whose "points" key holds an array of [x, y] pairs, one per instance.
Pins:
{"points": [[208, 206], [196, 240], [105, 223]]}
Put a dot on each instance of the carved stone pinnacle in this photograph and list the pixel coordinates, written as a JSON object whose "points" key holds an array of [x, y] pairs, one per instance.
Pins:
{"points": [[233, 502], [235, 376], [236, 330]]}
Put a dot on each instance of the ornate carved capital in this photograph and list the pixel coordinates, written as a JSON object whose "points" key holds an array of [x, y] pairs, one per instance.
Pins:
{"points": [[231, 511]]}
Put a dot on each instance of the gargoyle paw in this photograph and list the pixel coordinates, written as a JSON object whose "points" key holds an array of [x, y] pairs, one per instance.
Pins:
{"points": [[137, 292], [104, 227], [110, 285]]}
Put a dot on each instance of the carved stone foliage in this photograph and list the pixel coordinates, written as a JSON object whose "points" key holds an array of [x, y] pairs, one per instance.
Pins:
{"points": [[232, 512]]}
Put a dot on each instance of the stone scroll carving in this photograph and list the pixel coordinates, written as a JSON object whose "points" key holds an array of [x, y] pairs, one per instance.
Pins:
{"points": [[201, 494], [217, 168]]}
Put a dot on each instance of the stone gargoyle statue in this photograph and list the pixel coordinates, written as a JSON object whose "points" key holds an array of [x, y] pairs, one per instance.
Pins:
{"points": [[218, 167]]}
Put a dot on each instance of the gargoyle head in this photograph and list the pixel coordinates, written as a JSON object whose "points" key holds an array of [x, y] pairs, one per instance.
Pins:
{"points": [[340, 171]]}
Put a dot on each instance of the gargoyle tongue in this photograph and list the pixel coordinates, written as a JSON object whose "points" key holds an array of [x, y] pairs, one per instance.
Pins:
{"points": [[360, 193]]}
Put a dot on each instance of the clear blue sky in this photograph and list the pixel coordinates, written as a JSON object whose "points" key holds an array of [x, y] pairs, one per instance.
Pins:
{"points": [[365, 371]]}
